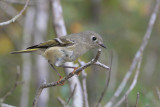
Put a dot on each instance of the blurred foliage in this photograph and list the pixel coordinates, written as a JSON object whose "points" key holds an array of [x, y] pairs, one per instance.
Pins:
{"points": [[5, 42], [121, 23]]}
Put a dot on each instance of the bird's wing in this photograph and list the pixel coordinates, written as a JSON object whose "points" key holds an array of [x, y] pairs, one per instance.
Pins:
{"points": [[55, 42]]}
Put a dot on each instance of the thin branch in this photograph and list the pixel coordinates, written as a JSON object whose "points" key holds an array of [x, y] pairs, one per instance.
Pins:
{"points": [[84, 84], [14, 87], [137, 100], [65, 104], [11, 11], [132, 85], [52, 84], [61, 101], [16, 17], [38, 94], [107, 83], [11, 90], [137, 56], [101, 65], [70, 97]]}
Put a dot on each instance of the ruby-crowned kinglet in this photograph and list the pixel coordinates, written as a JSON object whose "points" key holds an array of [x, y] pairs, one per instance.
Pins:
{"points": [[66, 48]]}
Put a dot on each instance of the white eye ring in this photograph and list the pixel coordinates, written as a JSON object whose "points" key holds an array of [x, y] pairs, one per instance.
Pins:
{"points": [[94, 38]]}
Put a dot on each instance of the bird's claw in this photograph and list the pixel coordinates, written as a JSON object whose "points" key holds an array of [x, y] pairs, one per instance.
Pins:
{"points": [[73, 72], [59, 81]]}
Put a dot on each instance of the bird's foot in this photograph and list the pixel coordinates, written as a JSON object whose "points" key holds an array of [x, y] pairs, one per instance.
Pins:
{"points": [[59, 82], [78, 73], [74, 70]]}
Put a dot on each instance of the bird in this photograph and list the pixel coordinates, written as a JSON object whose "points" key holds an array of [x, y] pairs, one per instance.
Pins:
{"points": [[66, 48]]}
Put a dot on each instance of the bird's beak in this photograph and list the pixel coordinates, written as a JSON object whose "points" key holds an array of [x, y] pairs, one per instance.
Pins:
{"points": [[102, 45]]}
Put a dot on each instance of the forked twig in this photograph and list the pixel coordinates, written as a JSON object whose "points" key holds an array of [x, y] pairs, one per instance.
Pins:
{"points": [[70, 97], [107, 83], [52, 84], [61, 101], [134, 82], [65, 104], [137, 55]]}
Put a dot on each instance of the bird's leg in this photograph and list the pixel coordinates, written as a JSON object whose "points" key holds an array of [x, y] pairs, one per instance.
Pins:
{"points": [[74, 68], [60, 77]]}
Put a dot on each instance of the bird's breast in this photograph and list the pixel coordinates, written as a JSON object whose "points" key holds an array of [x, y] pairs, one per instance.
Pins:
{"points": [[60, 55]]}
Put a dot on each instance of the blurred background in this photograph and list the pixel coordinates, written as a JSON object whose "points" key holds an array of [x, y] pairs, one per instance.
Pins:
{"points": [[122, 25]]}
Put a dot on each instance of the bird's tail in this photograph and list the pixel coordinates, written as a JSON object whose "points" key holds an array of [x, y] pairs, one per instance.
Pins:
{"points": [[25, 51]]}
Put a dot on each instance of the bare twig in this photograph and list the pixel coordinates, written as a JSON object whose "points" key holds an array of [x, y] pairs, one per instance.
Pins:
{"points": [[38, 94], [158, 92], [14, 87], [65, 104], [84, 85], [11, 90], [52, 84], [101, 65], [15, 17], [71, 94], [137, 56], [107, 83], [126, 101], [61, 101], [137, 99], [11, 11], [132, 85]]}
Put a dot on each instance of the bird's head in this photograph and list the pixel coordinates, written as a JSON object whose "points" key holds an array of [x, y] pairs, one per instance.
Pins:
{"points": [[93, 39]]}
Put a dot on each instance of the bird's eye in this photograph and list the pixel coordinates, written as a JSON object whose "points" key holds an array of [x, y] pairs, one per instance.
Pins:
{"points": [[94, 38]]}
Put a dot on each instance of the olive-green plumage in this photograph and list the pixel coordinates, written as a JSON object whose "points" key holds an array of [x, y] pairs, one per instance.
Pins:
{"points": [[66, 48]]}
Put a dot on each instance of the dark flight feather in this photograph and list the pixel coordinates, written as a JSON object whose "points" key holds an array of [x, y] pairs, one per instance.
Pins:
{"points": [[51, 43]]}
